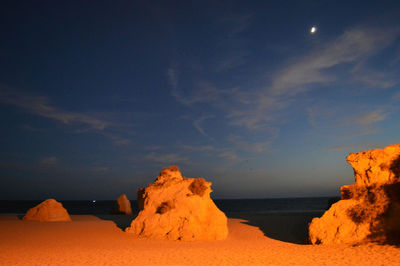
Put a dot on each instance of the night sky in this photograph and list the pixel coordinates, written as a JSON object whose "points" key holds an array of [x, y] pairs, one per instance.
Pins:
{"points": [[97, 96]]}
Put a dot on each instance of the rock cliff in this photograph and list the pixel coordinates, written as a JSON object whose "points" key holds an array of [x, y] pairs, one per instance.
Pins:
{"points": [[370, 208]]}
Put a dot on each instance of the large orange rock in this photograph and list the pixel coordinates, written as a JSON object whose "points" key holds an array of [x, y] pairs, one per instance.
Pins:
{"points": [[49, 210], [124, 205], [178, 208], [370, 208]]}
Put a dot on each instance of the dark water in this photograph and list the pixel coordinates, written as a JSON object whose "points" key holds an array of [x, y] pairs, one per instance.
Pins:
{"points": [[275, 205], [227, 206]]}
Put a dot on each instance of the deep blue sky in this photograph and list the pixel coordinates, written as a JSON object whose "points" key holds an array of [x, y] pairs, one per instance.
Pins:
{"points": [[95, 98]]}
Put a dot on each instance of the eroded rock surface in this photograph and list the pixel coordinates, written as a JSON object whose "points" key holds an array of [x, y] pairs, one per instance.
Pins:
{"points": [[178, 208], [49, 210], [370, 208], [124, 205]]}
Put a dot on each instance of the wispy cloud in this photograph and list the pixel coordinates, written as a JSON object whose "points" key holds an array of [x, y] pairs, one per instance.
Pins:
{"points": [[327, 114], [231, 51], [261, 107], [203, 92], [49, 161], [259, 115], [250, 147], [100, 169], [374, 78], [352, 120], [117, 140], [231, 61], [226, 100], [351, 46], [122, 142], [237, 23], [40, 106], [198, 124], [316, 68], [364, 131], [355, 147], [229, 155], [204, 148], [173, 76], [235, 150], [226, 153], [154, 147], [167, 158], [82, 122], [312, 114], [369, 118], [396, 96]]}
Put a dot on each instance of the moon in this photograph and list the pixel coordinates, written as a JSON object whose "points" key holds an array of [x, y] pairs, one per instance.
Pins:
{"points": [[313, 30]]}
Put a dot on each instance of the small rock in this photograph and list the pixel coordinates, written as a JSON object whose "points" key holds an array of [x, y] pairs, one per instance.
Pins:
{"points": [[124, 205], [49, 210]]}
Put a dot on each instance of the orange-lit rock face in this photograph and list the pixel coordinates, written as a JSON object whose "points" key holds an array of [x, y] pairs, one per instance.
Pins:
{"points": [[48, 211], [178, 208], [124, 205], [380, 166], [370, 208]]}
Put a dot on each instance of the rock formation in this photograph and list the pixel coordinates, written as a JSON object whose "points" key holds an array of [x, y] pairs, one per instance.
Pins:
{"points": [[370, 209], [178, 208], [49, 210], [124, 205]]}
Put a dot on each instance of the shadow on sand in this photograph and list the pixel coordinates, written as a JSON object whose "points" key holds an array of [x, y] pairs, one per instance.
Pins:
{"points": [[122, 221], [286, 227]]}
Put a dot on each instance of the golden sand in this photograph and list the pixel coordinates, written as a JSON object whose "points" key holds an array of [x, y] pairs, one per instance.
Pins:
{"points": [[89, 240]]}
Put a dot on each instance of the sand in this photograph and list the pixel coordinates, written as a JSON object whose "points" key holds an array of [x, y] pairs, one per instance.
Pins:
{"points": [[254, 239]]}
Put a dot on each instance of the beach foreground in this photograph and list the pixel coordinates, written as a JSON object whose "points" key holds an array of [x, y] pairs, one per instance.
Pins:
{"points": [[99, 240]]}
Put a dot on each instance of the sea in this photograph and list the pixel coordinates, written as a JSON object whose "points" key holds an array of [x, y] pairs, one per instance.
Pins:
{"points": [[275, 205]]}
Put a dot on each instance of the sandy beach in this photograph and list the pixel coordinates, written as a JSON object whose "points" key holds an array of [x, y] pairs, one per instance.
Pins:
{"points": [[254, 239]]}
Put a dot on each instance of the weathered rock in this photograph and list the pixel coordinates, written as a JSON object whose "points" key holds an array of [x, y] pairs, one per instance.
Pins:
{"points": [[178, 208], [370, 209], [376, 167], [124, 205], [49, 210]]}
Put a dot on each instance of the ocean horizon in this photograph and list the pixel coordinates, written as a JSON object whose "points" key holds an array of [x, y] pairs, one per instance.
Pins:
{"points": [[265, 205]]}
